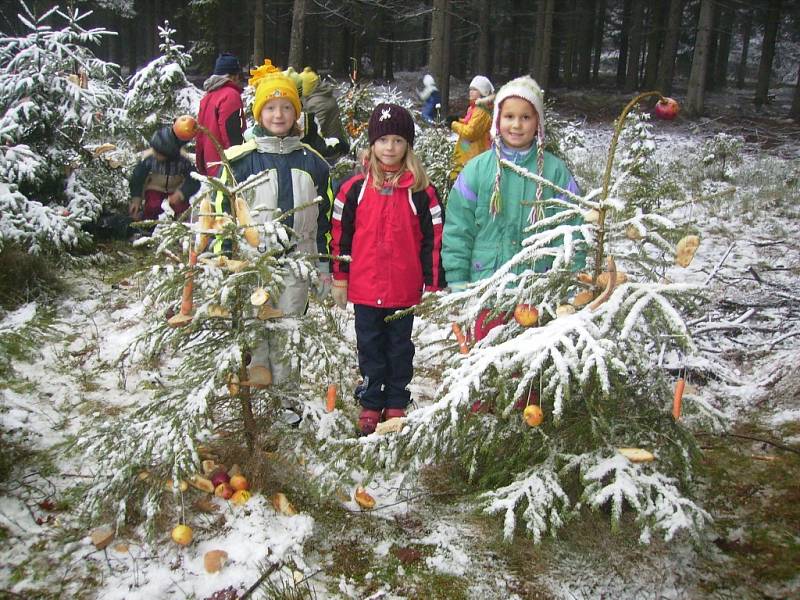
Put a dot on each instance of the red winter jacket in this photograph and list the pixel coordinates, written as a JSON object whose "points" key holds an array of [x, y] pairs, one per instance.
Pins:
{"points": [[221, 112], [393, 237]]}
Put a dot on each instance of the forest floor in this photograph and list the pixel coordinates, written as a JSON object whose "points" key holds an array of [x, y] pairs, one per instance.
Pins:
{"points": [[428, 539]]}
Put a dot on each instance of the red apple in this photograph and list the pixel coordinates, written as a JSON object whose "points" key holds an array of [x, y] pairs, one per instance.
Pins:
{"points": [[526, 315], [667, 109], [239, 482], [219, 476], [185, 127], [224, 490]]}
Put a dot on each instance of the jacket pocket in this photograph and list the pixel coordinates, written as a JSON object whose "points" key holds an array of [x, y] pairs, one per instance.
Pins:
{"points": [[485, 260]]}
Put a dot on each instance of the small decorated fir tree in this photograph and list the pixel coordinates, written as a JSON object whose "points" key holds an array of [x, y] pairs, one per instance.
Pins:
{"points": [[159, 91], [543, 412]]}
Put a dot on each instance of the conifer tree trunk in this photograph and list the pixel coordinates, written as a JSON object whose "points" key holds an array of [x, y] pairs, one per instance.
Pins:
{"points": [[484, 12], [794, 113], [711, 67], [767, 52], [444, 78], [666, 63], [747, 31], [436, 52], [535, 60], [695, 94], [635, 48], [724, 47], [655, 38], [258, 32], [597, 38], [570, 35], [296, 38], [622, 59], [543, 78], [585, 17]]}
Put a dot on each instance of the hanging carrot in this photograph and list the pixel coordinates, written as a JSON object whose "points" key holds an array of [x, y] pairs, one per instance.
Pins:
{"points": [[184, 315], [330, 398], [460, 338], [678, 399]]}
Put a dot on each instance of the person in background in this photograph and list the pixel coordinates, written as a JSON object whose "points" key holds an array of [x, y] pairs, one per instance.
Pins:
{"points": [[389, 221], [221, 112], [431, 99], [473, 128], [162, 173], [318, 101]]}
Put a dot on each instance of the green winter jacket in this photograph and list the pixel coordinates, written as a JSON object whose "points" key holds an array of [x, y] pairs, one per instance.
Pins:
{"points": [[475, 243]]}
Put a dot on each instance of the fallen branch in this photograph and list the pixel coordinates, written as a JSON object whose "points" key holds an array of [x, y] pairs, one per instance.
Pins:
{"points": [[751, 438]]}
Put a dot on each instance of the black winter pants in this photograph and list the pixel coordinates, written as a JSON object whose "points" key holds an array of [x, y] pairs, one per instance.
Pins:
{"points": [[385, 356]]}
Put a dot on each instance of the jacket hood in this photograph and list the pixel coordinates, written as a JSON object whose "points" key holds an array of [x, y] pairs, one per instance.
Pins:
{"points": [[323, 88], [217, 81]]}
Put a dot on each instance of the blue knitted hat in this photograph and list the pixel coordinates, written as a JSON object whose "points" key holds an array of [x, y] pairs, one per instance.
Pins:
{"points": [[227, 64]]}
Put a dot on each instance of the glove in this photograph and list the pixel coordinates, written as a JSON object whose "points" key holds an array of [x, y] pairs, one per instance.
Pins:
{"points": [[458, 286], [339, 292]]}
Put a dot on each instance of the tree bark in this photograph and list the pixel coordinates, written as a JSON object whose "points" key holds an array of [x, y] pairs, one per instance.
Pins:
{"points": [[711, 67], [547, 38], [622, 60], [597, 38], [666, 64], [484, 13], [655, 40], [444, 80], [569, 24], [747, 31], [635, 48], [767, 52], [724, 47], [436, 52], [586, 19], [296, 37], [695, 94], [794, 113], [258, 33], [535, 60]]}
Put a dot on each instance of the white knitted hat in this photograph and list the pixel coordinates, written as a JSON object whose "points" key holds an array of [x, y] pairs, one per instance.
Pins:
{"points": [[482, 84], [522, 87]]}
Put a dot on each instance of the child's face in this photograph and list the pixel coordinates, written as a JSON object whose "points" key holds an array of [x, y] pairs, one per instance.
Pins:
{"points": [[390, 149], [474, 94], [518, 123], [278, 116]]}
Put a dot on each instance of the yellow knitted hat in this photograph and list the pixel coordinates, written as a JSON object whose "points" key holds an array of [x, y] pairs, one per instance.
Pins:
{"points": [[275, 85], [310, 80], [262, 71]]}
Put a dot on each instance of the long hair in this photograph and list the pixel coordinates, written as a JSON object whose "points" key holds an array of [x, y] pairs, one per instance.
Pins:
{"points": [[410, 163]]}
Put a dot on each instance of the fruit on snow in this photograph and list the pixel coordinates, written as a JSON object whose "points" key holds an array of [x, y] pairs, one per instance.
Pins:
{"points": [[214, 560], [282, 505], [240, 497], [667, 109], [185, 127], [224, 490], [239, 482], [182, 534], [363, 499], [533, 415], [526, 315], [219, 476]]}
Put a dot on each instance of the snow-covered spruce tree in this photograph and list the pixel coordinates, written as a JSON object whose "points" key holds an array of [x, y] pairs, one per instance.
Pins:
{"points": [[205, 315], [591, 362], [53, 95], [159, 92]]}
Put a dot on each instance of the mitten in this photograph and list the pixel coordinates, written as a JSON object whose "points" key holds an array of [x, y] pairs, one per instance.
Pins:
{"points": [[322, 286], [458, 286], [339, 292]]}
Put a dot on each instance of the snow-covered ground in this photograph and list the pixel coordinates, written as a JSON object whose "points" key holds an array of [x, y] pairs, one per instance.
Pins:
{"points": [[746, 362]]}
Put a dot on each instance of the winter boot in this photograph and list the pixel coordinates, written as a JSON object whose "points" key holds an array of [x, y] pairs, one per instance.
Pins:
{"points": [[368, 420], [391, 413]]}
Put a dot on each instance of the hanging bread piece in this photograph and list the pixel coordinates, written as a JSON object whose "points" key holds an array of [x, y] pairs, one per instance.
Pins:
{"points": [[246, 221], [685, 250], [611, 284]]}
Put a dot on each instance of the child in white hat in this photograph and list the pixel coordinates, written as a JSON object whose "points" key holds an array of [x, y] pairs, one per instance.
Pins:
{"points": [[473, 128]]}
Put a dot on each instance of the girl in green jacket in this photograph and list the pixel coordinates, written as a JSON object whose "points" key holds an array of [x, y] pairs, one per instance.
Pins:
{"points": [[490, 207]]}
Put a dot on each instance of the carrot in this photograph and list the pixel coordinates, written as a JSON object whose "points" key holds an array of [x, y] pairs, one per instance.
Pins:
{"points": [[677, 400], [184, 315], [460, 338], [330, 398]]}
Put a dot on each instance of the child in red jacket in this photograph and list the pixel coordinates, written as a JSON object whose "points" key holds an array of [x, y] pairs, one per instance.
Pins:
{"points": [[389, 221]]}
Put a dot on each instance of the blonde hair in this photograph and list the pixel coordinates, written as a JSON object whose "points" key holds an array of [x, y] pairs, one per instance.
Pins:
{"points": [[410, 163]]}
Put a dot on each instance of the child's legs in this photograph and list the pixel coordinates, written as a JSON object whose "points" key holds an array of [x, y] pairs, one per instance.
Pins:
{"points": [[400, 361], [371, 342], [152, 204]]}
